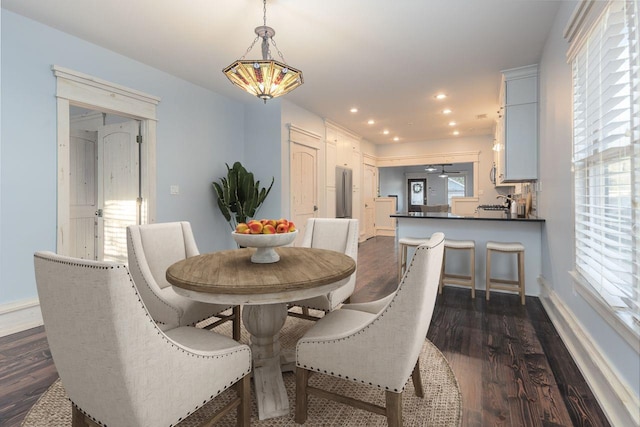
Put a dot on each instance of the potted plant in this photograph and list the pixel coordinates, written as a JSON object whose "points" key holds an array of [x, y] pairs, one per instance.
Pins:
{"points": [[239, 195]]}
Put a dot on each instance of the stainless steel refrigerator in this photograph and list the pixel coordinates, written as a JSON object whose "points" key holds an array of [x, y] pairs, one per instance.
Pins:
{"points": [[344, 181]]}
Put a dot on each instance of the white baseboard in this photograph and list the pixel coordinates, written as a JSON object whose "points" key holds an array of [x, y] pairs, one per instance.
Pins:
{"points": [[19, 316], [617, 400]]}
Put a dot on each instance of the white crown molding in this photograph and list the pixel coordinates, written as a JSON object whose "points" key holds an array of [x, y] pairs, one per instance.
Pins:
{"points": [[342, 129], [296, 128]]}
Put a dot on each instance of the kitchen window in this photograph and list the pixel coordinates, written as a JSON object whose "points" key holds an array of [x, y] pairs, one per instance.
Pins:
{"points": [[456, 187], [605, 61]]}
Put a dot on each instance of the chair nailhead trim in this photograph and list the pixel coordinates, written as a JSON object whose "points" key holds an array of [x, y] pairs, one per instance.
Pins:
{"points": [[147, 283], [158, 331], [400, 289]]}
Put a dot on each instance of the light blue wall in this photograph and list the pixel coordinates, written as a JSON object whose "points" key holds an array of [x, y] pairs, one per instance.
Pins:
{"points": [[262, 152], [198, 131], [555, 200], [392, 182]]}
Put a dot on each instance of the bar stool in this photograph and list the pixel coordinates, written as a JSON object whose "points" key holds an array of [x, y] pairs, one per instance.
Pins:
{"points": [[507, 285], [403, 244], [459, 279]]}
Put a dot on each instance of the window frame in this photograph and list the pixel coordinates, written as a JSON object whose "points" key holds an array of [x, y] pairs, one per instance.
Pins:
{"points": [[581, 26], [464, 175]]}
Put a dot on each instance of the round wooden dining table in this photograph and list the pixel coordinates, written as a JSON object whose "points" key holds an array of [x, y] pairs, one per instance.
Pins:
{"points": [[229, 277]]}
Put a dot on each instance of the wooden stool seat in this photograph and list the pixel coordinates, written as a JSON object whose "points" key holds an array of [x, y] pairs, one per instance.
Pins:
{"points": [[507, 285], [403, 244], [460, 279]]}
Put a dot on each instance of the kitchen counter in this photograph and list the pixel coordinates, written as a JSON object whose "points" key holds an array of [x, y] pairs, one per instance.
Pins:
{"points": [[486, 215], [481, 227]]}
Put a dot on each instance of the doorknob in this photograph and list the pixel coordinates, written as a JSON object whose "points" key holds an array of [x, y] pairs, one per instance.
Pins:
{"points": [[315, 208], [99, 213]]}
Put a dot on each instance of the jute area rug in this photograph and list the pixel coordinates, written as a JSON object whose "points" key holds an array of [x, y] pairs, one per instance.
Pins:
{"points": [[441, 405]]}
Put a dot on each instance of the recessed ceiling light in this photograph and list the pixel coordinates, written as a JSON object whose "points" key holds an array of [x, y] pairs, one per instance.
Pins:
{"points": [[395, 138], [386, 132], [441, 96], [371, 121], [354, 110], [452, 123], [455, 132], [446, 111]]}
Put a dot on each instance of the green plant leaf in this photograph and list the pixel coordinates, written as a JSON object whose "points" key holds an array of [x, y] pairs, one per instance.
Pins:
{"points": [[239, 196]]}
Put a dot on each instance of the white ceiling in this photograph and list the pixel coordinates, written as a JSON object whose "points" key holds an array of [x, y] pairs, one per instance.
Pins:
{"points": [[388, 58]]}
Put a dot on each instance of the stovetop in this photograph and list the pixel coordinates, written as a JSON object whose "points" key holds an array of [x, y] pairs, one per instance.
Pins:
{"points": [[492, 207]]}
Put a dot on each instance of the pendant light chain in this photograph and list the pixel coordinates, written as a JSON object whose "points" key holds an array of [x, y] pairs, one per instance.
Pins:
{"points": [[265, 78], [249, 48], [264, 12], [273, 42]]}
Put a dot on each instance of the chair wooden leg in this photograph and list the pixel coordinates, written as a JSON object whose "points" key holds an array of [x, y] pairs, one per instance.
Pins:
{"points": [[78, 419], [302, 378], [417, 379], [402, 260], [394, 409], [472, 272], [237, 318], [244, 410], [521, 275], [488, 281], [441, 284]]}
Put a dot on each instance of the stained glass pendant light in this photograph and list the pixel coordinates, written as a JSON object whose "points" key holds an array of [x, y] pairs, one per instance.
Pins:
{"points": [[265, 78]]}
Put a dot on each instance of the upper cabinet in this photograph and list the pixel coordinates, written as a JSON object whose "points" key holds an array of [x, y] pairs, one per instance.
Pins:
{"points": [[342, 149], [348, 151], [517, 128]]}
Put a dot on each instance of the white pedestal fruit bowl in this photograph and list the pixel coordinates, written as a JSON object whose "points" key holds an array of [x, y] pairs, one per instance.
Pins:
{"points": [[265, 244]]}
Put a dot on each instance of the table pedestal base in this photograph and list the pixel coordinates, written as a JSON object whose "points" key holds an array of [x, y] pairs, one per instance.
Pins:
{"points": [[264, 322]]}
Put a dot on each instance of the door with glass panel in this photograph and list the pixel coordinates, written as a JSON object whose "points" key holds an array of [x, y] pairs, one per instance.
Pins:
{"points": [[416, 189]]}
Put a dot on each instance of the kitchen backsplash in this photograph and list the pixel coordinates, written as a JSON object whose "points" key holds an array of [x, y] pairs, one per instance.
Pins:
{"points": [[521, 192]]}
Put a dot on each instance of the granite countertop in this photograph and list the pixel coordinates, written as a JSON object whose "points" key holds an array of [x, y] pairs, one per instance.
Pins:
{"points": [[484, 216]]}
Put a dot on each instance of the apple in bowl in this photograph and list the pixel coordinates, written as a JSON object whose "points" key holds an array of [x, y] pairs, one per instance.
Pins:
{"points": [[264, 236]]}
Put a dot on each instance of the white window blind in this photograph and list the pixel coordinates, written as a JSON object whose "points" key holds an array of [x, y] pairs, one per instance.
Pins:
{"points": [[606, 158]]}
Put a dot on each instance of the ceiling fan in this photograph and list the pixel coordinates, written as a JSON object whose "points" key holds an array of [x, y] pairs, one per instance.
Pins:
{"points": [[443, 173]]}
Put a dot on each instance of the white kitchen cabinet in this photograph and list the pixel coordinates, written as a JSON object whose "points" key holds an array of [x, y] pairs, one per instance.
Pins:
{"points": [[342, 149], [385, 224], [498, 148], [331, 202], [347, 145], [517, 127], [330, 153]]}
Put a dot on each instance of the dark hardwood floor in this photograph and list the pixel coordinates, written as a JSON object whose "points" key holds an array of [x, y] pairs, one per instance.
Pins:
{"points": [[511, 365]]}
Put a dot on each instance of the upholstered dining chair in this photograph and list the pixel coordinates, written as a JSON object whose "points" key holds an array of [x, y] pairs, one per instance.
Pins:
{"points": [[152, 248], [116, 365], [336, 234], [376, 343]]}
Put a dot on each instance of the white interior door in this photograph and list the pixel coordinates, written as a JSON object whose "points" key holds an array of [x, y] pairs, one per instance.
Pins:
{"points": [[370, 190], [304, 186], [83, 150], [118, 188]]}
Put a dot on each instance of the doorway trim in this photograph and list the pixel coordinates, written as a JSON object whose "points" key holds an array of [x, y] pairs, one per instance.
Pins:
{"points": [[82, 90], [303, 137], [436, 159]]}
